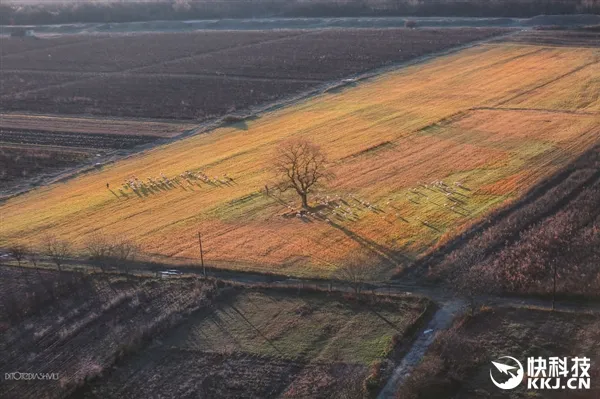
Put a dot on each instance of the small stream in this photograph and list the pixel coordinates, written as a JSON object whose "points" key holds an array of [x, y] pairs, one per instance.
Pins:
{"points": [[441, 320]]}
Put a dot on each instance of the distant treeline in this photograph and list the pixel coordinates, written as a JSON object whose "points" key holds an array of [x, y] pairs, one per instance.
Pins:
{"points": [[217, 9]]}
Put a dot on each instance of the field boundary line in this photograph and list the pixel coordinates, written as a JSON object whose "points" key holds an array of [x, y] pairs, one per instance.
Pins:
{"points": [[89, 75], [540, 110], [554, 80]]}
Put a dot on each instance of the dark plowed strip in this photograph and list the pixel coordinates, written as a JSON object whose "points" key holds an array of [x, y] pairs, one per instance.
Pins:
{"points": [[68, 139]]}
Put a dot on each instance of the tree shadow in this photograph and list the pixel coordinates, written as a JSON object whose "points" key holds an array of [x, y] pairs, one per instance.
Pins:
{"points": [[381, 250], [256, 329]]}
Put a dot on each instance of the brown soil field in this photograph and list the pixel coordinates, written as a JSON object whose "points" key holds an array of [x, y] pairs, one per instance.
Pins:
{"points": [[158, 96], [70, 139], [121, 52], [15, 45], [328, 54], [61, 78], [107, 126], [573, 38], [20, 162], [458, 363], [17, 81]]}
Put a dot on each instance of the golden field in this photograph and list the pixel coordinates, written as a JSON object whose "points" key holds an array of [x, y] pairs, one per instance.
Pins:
{"points": [[489, 122]]}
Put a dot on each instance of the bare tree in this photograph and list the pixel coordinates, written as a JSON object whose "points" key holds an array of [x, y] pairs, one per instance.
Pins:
{"points": [[33, 257], [358, 270], [301, 165], [472, 282], [57, 250], [124, 251], [99, 249], [19, 252]]}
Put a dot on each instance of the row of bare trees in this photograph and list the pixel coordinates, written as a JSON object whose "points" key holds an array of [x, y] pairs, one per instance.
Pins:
{"points": [[101, 249], [55, 249]]}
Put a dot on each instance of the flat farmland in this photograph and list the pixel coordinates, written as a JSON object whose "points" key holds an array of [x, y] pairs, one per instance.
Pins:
{"points": [[115, 335], [417, 154], [179, 75], [515, 251], [325, 55], [186, 97], [269, 343], [576, 37], [120, 52], [15, 45]]}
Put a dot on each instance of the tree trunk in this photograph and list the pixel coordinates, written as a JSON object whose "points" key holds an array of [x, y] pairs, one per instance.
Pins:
{"points": [[304, 200]]}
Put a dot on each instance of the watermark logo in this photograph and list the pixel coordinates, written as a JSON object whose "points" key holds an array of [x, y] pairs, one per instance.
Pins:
{"points": [[552, 373], [19, 376], [514, 372]]}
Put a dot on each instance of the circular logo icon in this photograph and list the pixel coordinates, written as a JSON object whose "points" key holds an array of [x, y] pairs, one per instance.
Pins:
{"points": [[513, 371]]}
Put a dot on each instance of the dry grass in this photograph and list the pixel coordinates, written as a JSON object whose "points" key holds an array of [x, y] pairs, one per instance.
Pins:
{"points": [[386, 139]]}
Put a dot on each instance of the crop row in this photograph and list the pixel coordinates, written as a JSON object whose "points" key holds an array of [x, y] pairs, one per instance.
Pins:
{"points": [[69, 139], [18, 163], [565, 38]]}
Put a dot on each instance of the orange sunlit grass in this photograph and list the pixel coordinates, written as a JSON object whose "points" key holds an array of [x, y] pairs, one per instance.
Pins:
{"points": [[416, 153]]}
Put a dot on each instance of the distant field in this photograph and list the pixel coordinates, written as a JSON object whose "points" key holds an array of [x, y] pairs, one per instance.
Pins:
{"points": [[85, 126], [268, 344], [324, 55], [36, 146], [458, 362], [391, 141], [198, 75], [553, 37]]}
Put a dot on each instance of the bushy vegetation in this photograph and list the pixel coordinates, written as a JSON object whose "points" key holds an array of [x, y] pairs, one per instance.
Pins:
{"points": [[458, 361]]}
